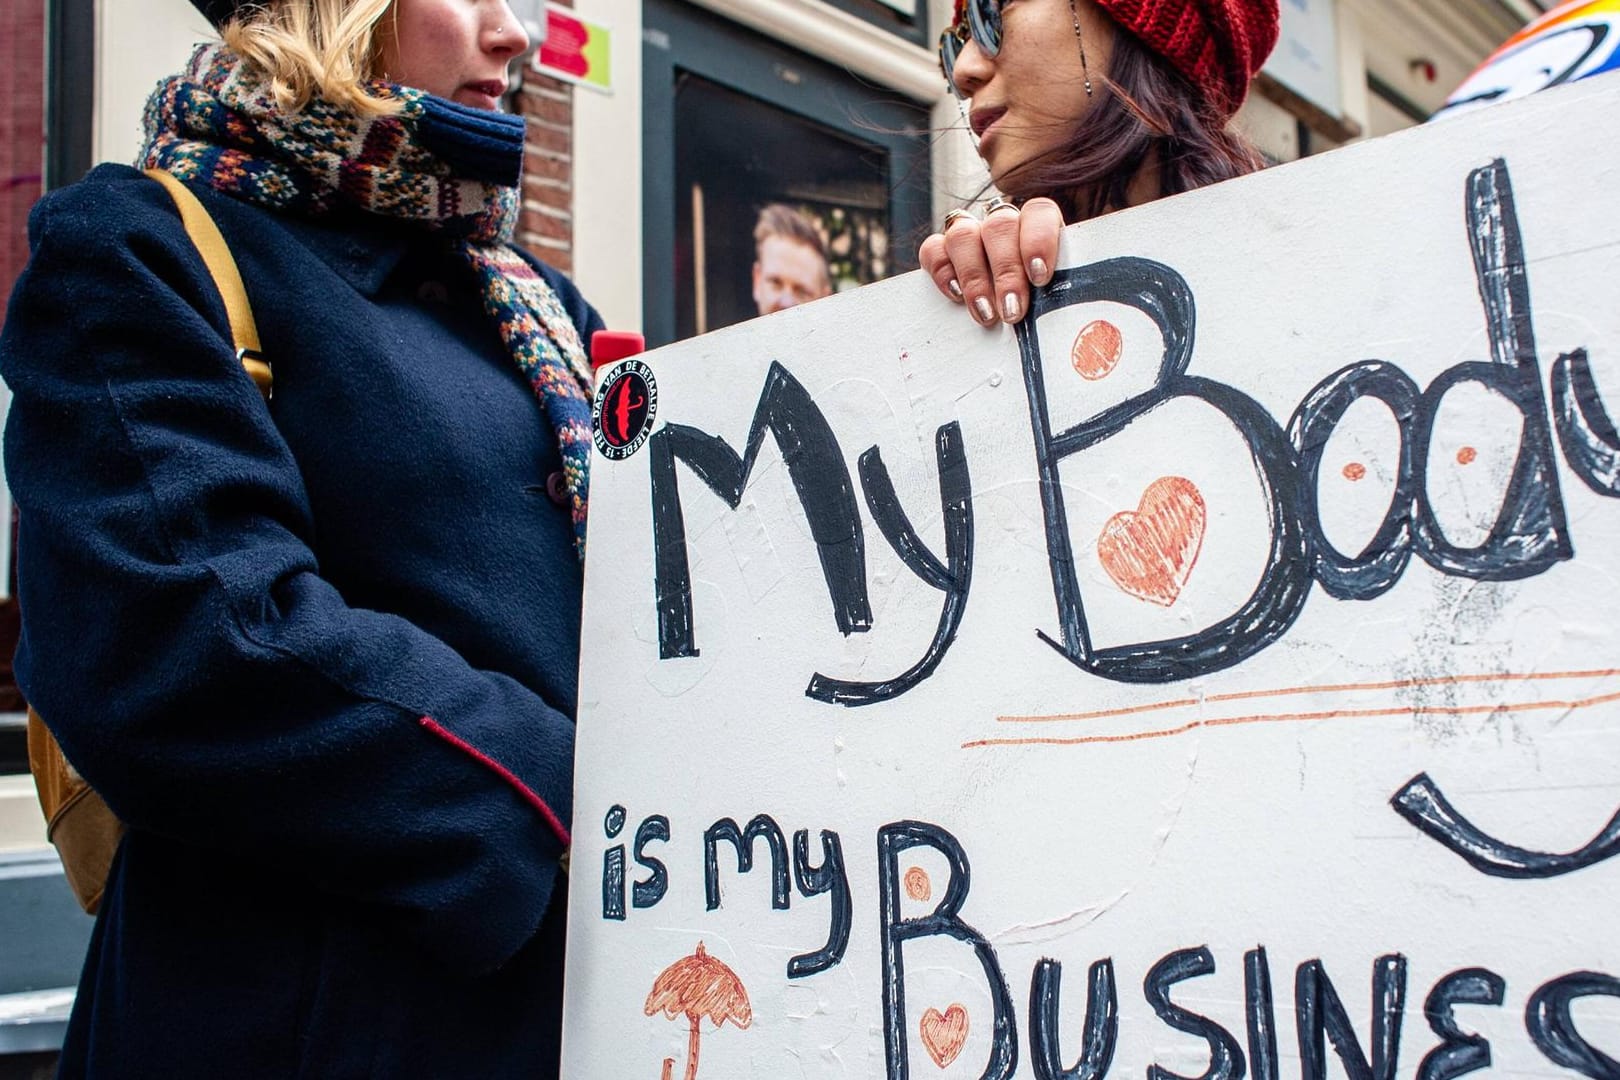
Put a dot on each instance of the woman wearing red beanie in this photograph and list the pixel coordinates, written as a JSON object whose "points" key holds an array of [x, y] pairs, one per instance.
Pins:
{"points": [[1080, 107]]}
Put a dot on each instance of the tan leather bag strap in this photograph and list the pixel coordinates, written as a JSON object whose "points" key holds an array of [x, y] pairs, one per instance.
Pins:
{"points": [[221, 265]]}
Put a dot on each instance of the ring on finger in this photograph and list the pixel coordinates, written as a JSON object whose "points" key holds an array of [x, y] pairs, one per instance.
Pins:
{"points": [[998, 204], [953, 216]]}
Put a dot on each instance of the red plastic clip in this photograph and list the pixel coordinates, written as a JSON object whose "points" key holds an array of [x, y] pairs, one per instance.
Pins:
{"points": [[610, 345]]}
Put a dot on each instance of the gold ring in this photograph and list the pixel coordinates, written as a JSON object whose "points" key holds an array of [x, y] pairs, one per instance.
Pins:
{"points": [[952, 216], [998, 203]]}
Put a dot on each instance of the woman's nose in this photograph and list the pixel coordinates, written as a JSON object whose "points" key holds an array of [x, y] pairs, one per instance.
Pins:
{"points": [[506, 33], [972, 69]]}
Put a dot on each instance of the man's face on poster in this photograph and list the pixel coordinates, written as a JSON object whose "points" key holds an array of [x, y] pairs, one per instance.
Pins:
{"points": [[788, 273]]}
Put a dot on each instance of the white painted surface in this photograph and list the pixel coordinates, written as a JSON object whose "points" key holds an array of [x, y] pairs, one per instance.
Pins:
{"points": [[1272, 128], [959, 174], [22, 823], [607, 173], [1454, 36], [1353, 94], [1307, 55], [137, 44], [841, 39], [1267, 820]]}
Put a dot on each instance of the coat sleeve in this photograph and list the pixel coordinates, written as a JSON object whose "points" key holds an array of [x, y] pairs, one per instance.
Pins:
{"points": [[180, 640]]}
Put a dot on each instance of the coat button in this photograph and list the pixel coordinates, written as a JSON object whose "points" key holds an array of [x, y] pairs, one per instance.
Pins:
{"points": [[557, 489]]}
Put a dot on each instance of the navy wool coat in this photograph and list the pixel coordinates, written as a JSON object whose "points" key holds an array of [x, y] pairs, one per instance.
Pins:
{"points": [[320, 654]]}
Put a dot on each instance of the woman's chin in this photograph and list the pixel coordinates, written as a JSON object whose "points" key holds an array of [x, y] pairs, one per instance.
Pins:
{"points": [[1000, 167], [1010, 178]]}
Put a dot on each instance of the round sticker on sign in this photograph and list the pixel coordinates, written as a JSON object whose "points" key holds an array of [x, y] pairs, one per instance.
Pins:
{"points": [[625, 407]]}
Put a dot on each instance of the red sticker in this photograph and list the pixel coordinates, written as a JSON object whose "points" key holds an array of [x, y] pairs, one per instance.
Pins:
{"points": [[625, 407]]}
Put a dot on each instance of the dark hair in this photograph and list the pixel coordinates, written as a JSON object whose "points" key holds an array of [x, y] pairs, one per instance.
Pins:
{"points": [[1146, 114], [779, 219]]}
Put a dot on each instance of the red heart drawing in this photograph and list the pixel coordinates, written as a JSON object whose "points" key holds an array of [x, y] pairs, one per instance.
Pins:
{"points": [[944, 1034], [1150, 551], [1096, 349]]}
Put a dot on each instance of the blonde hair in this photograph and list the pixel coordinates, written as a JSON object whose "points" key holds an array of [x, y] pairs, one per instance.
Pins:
{"points": [[328, 48]]}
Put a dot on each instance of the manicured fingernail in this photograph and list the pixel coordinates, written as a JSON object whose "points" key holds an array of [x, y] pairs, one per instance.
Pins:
{"points": [[1037, 270], [1010, 307], [986, 313], [955, 287]]}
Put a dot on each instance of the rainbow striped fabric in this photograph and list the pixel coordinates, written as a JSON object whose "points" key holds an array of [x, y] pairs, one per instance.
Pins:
{"points": [[1574, 41]]}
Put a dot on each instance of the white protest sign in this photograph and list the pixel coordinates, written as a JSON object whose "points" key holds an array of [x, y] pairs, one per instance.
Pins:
{"points": [[1216, 678]]}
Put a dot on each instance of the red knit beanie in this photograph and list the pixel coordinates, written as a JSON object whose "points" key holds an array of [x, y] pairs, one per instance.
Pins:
{"points": [[1218, 44]]}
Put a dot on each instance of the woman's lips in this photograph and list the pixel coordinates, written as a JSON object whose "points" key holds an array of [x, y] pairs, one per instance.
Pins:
{"points": [[982, 120], [486, 94]]}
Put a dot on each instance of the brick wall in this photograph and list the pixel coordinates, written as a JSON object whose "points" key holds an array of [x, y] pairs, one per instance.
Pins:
{"points": [[22, 130], [546, 226], [22, 162]]}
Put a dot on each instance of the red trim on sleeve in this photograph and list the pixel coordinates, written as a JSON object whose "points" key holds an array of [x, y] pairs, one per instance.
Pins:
{"points": [[530, 796]]}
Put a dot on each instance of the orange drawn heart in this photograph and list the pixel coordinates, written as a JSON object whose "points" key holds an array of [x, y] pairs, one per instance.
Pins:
{"points": [[918, 887], [1096, 350], [944, 1034], [1149, 552]]}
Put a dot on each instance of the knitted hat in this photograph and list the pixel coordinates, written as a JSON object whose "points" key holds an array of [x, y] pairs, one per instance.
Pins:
{"points": [[218, 11], [1218, 44]]}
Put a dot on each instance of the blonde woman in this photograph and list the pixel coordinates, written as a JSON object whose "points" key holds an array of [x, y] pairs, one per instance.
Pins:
{"points": [[318, 653]]}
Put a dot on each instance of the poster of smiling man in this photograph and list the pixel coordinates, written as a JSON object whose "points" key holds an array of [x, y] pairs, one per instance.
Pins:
{"points": [[1216, 677]]}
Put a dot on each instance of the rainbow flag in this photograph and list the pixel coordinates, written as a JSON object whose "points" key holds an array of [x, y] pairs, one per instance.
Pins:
{"points": [[1573, 41]]}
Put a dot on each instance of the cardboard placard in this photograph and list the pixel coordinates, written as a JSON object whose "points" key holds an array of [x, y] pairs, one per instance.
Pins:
{"points": [[1217, 677]]}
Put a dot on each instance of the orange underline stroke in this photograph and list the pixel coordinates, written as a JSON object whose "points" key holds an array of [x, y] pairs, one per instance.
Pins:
{"points": [[1334, 688], [1331, 714]]}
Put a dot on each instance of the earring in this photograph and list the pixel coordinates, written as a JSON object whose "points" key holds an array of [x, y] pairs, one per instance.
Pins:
{"points": [[1085, 70]]}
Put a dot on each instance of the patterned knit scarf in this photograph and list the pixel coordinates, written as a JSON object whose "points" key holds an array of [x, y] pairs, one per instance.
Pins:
{"points": [[437, 165]]}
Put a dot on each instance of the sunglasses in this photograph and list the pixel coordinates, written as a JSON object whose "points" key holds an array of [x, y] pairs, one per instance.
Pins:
{"points": [[982, 21]]}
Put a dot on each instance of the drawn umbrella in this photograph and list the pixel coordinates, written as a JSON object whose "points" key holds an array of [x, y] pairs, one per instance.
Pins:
{"points": [[698, 986]]}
